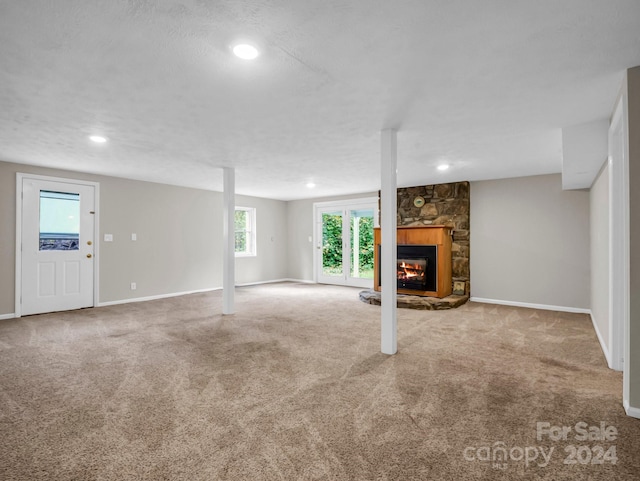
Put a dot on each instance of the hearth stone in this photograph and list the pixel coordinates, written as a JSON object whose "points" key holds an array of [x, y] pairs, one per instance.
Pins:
{"points": [[416, 302]]}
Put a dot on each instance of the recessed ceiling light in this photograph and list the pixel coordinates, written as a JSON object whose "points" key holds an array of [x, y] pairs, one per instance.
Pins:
{"points": [[443, 166], [245, 51], [310, 185], [98, 139]]}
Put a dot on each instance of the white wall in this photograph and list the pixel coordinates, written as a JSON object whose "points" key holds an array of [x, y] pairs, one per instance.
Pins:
{"points": [[179, 239], [584, 149], [272, 260], [179, 231], [530, 242], [599, 226]]}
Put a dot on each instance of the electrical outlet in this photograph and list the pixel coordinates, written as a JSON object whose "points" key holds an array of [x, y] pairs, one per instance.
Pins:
{"points": [[108, 237], [133, 286], [134, 237]]}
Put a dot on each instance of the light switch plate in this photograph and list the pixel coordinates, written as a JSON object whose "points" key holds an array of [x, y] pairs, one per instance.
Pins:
{"points": [[134, 237], [108, 237]]}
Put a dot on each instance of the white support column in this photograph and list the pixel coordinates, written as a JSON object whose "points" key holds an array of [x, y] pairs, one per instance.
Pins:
{"points": [[388, 241], [228, 241]]}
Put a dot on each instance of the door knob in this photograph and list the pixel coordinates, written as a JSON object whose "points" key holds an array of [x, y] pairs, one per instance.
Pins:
{"points": [[89, 256]]}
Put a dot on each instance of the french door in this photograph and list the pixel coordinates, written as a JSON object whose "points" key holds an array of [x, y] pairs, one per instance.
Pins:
{"points": [[344, 242], [57, 245]]}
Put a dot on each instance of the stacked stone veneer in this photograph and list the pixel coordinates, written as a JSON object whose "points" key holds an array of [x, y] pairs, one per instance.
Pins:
{"points": [[445, 204]]}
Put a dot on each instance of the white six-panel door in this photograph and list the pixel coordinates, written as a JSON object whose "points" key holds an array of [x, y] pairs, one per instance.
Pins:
{"points": [[57, 257]]}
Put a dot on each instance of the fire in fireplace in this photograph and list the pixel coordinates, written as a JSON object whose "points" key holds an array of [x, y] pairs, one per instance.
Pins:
{"points": [[412, 273]]}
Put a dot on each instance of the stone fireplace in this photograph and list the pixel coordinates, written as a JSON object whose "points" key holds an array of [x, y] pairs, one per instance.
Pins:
{"points": [[439, 206], [442, 204]]}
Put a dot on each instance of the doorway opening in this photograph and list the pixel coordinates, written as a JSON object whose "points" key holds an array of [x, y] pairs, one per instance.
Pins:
{"points": [[344, 244]]}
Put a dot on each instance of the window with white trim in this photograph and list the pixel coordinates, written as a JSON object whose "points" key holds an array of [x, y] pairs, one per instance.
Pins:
{"points": [[245, 231]]}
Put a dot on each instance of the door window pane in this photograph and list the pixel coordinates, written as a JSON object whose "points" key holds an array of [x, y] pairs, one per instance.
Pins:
{"points": [[59, 221], [361, 227], [332, 243]]}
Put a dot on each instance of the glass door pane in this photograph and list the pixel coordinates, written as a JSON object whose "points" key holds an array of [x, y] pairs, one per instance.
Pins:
{"points": [[332, 244], [344, 242], [361, 243], [59, 221]]}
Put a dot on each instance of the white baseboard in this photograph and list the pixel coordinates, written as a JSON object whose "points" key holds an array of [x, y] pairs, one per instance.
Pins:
{"points": [[529, 305], [631, 411], [176, 294], [603, 346], [274, 281], [153, 298]]}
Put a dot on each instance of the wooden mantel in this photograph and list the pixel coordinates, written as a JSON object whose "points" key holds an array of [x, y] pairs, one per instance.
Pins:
{"points": [[439, 235]]}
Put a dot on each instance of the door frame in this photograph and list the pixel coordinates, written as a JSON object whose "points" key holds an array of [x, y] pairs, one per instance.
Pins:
{"points": [[96, 231], [337, 204]]}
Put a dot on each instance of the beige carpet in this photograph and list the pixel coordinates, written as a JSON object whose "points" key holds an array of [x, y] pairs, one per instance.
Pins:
{"points": [[293, 387]]}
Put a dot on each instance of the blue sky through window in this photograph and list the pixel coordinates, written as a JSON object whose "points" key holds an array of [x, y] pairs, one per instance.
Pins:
{"points": [[59, 213]]}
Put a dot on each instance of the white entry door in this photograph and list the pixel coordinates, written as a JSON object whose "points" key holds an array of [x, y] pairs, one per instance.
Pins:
{"points": [[57, 257]]}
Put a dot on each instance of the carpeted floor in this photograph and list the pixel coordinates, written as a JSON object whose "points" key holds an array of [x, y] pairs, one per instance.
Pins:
{"points": [[293, 387]]}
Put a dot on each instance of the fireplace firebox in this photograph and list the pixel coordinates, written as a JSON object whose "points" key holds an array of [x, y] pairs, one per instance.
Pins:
{"points": [[417, 267]]}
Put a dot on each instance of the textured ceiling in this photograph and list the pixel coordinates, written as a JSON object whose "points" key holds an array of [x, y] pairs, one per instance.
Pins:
{"points": [[484, 85]]}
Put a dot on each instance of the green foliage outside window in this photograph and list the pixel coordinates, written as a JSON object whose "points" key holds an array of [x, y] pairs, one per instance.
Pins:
{"points": [[332, 243], [241, 230], [366, 242]]}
